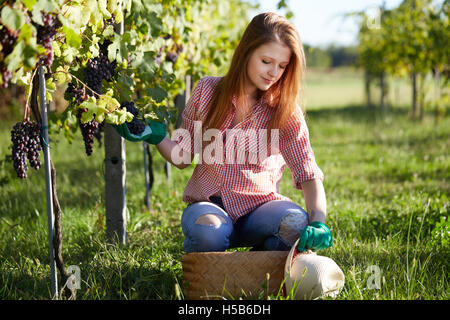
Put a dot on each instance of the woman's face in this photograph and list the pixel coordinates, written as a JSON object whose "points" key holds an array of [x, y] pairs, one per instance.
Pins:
{"points": [[266, 66]]}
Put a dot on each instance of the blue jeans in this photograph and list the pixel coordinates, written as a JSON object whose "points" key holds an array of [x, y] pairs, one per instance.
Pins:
{"points": [[258, 229]]}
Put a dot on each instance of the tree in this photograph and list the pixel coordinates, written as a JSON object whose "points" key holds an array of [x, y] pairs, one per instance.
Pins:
{"points": [[373, 50], [411, 39]]}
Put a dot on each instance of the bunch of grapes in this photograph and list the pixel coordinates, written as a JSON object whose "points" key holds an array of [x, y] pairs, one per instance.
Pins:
{"points": [[7, 40], [172, 56], [98, 134], [78, 93], [94, 73], [88, 131], [6, 75], [99, 68], [25, 137], [46, 34], [136, 126]]}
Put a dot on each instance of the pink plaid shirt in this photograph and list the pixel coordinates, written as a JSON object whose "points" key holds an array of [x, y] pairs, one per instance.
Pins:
{"points": [[243, 186]]}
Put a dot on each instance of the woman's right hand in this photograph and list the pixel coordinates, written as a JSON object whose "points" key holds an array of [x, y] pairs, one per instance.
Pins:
{"points": [[315, 236]]}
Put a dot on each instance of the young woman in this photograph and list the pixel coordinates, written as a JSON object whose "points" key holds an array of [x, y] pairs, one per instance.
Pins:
{"points": [[253, 111]]}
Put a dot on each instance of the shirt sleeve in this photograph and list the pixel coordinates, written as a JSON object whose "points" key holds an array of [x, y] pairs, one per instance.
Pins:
{"points": [[296, 150], [186, 139]]}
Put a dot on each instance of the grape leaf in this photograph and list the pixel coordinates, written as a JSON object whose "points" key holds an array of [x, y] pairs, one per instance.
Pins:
{"points": [[103, 9], [45, 6], [158, 94], [22, 54], [91, 106], [118, 49], [72, 39], [29, 3], [12, 18], [69, 53], [109, 31], [114, 49]]}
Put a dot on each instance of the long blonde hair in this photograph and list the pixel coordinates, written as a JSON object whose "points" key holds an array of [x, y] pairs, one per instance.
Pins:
{"points": [[284, 94]]}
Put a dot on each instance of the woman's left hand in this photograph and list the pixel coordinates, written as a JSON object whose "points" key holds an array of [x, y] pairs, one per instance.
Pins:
{"points": [[315, 236]]}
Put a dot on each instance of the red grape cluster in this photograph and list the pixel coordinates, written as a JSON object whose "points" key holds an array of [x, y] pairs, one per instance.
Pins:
{"points": [[136, 126], [73, 92], [25, 137], [172, 56], [99, 68], [88, 131], [7, 40], [96, 70], [94, 74], [46, 34]]}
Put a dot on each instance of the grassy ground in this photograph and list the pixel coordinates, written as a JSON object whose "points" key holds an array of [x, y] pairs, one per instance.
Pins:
{"points": [[386, 178]]}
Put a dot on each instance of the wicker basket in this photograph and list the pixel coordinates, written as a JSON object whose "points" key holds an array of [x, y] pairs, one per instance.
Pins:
{"points": [[231, 275]]}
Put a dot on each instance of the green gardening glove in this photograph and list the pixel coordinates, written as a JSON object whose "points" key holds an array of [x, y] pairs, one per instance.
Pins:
{"points": [[154, 132], [315, 236]]}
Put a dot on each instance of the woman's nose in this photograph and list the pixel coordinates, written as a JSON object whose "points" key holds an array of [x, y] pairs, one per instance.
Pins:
{"points": [[273, 71]]}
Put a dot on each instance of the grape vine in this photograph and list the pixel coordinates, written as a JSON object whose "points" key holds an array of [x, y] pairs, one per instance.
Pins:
{"points": [[76, 41], [77, 44], [46, 34]]}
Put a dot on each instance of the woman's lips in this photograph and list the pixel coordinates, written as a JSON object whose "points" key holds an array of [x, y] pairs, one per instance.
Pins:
{"points": [[267, 81]]}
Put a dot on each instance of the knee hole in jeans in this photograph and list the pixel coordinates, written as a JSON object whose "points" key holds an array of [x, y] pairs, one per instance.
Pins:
{"points": [[291, 226], [210, 219]]}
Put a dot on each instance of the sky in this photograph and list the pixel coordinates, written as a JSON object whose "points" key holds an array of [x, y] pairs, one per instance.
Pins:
{"points": [[320, 22]]}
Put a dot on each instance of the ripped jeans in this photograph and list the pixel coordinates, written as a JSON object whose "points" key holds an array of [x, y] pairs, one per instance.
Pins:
{"points": [[275, 225]]}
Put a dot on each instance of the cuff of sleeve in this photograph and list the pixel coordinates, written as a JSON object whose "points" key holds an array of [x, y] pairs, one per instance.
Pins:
{"points": [[306, 173]]}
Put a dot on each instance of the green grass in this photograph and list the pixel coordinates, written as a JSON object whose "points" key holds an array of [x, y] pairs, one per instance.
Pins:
{"points": [[387, 188], [386, 177]]}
